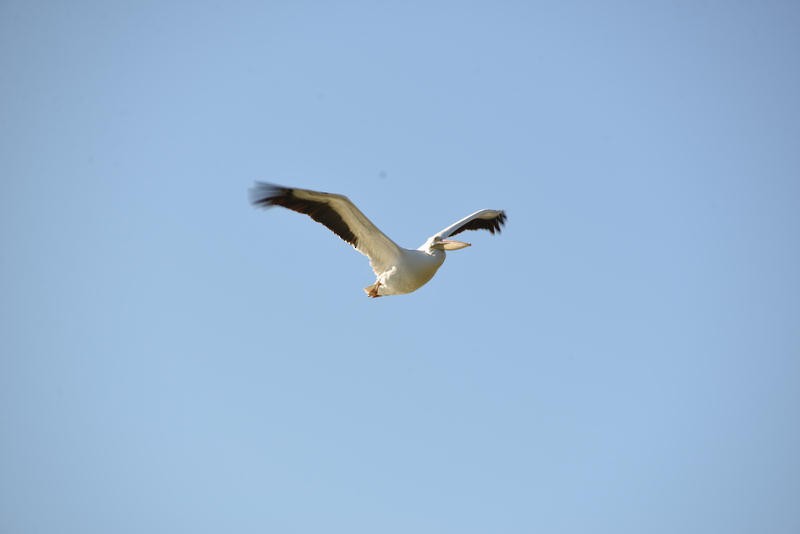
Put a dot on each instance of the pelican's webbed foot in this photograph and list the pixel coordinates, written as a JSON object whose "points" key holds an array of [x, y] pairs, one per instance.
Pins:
{"points": [[372, 291]]}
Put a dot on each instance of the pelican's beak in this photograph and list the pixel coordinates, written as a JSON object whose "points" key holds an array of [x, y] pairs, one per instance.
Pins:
{"points": [[450, 244]]}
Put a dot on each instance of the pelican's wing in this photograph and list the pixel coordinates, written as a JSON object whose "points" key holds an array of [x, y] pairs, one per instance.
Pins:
{"points": [[492, 220], [336, 212]]}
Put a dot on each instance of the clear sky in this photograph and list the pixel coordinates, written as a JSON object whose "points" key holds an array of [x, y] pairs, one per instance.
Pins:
{"points": [[624, 358]]}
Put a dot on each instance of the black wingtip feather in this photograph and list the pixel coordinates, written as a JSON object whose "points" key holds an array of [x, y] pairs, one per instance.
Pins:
{"points": [[265, 195], [494, 225]]}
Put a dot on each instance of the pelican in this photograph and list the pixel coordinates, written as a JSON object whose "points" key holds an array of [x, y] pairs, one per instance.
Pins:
{"points": [[398, 270]]}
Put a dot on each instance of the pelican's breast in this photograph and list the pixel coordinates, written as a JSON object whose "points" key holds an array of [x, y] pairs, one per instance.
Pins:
{"points": [[413, 270]]}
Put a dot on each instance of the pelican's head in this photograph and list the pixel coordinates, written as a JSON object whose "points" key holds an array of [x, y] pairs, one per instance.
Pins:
{"points": [[438, 243]]}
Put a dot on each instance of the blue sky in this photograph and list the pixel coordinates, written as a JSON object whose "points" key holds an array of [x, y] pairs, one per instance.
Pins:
{"points": [[625, 357]]}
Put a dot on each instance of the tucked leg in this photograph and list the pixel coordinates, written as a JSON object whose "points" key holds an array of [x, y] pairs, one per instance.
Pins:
{"points": [[372, 291]]}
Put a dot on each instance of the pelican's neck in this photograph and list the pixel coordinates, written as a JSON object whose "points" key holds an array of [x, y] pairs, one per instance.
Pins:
{"points": [[428, 248]]}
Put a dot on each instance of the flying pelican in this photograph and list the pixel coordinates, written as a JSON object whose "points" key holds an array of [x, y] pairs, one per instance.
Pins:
{"points": [[398, 270]]}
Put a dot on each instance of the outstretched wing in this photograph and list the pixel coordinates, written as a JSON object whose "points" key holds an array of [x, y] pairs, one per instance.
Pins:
{"points": [[492, 220], [336, 212]]}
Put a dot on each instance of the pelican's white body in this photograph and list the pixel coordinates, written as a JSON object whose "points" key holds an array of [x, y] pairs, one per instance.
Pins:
{"points": [[412, 270]]}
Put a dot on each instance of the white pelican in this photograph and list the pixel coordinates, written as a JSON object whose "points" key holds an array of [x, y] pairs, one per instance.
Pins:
{"points": [[398, 270]]}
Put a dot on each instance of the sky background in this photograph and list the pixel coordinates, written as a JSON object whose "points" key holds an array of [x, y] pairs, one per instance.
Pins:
{"points": [[624, 358]]}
